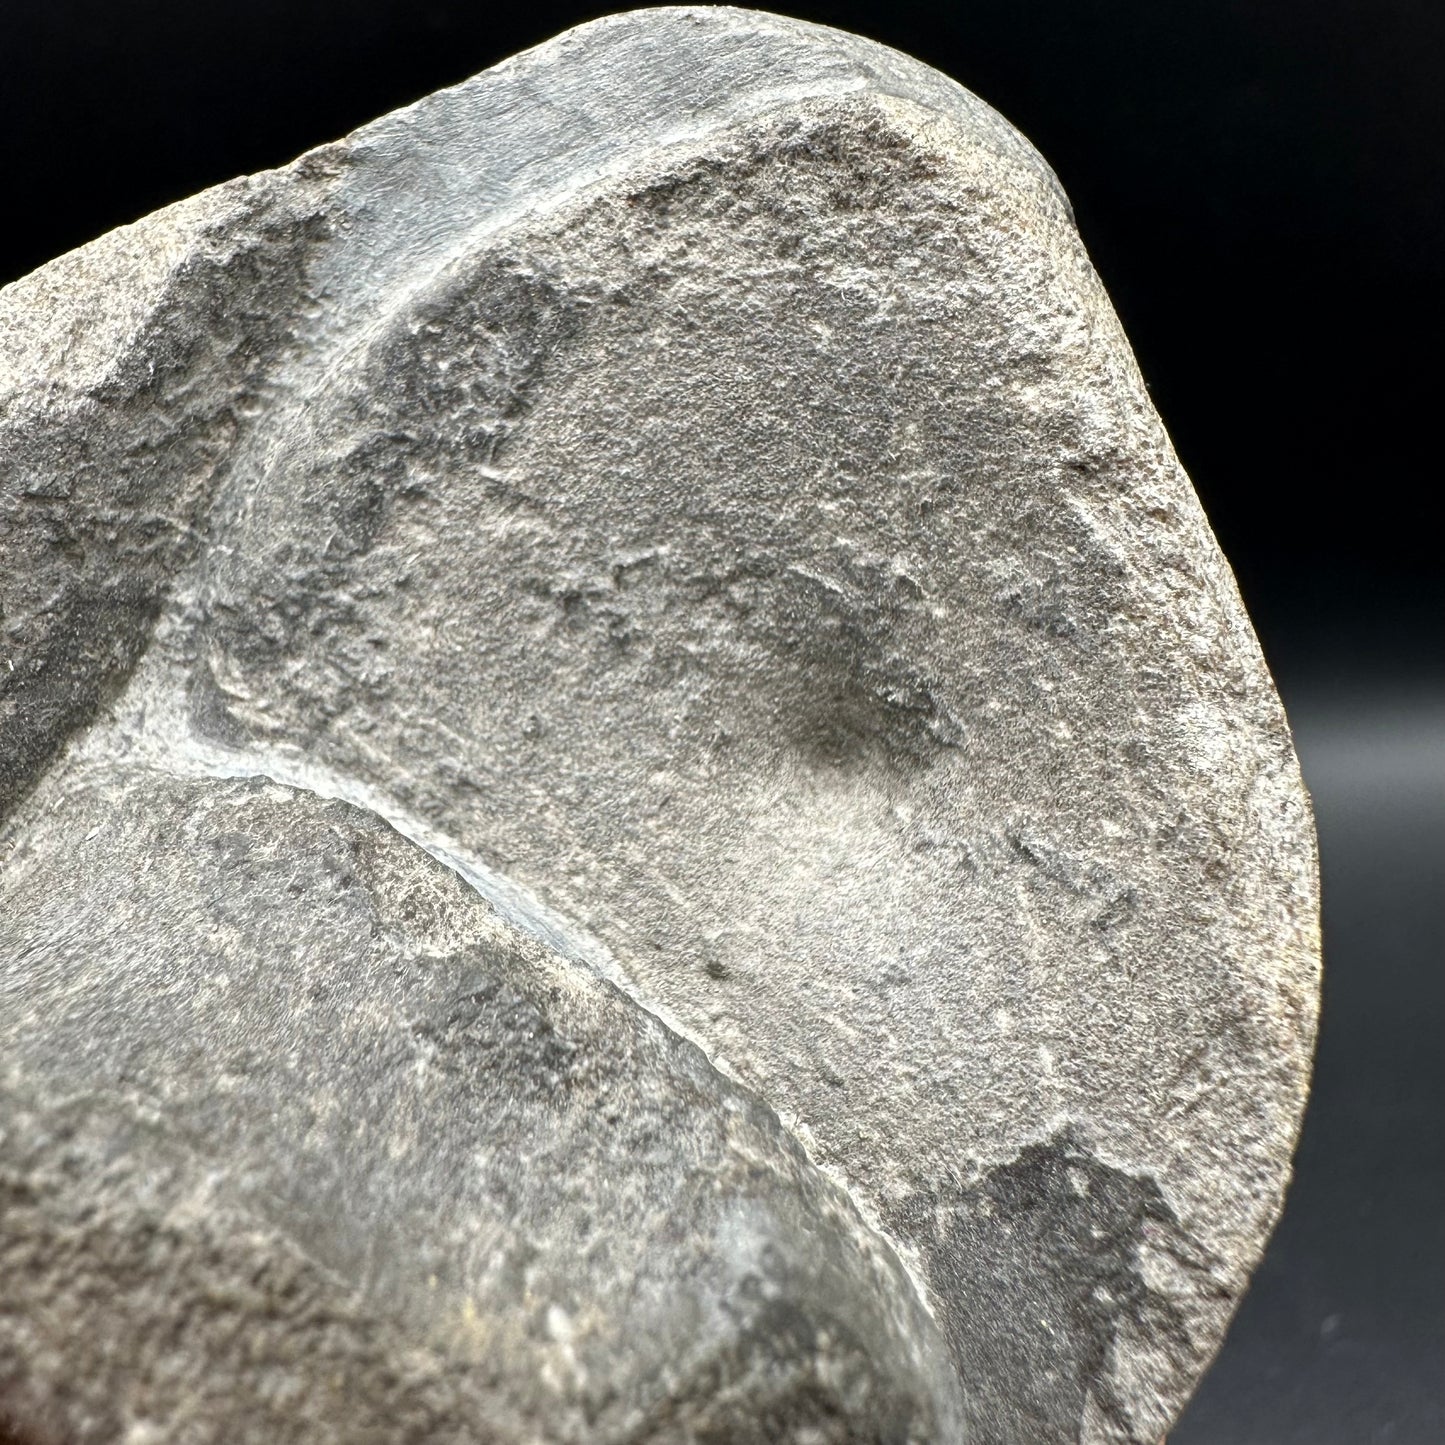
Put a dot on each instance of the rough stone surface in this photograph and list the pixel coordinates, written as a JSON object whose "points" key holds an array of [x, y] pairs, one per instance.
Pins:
{"points": [[689, 482], [343, 1082]]}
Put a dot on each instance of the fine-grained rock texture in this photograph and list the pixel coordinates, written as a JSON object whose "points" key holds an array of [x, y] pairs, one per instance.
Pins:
{"points": [[636, 804]]}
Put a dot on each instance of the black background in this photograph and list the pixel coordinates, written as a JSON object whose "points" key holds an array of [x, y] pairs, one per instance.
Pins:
{"points": [[1262, 187]]}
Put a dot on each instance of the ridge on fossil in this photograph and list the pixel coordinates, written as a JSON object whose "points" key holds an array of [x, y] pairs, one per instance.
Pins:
{"points": [[692, 481]]}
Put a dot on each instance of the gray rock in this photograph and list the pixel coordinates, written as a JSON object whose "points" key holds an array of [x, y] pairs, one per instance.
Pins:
{"points": [[402, 1171], [690, 481]]}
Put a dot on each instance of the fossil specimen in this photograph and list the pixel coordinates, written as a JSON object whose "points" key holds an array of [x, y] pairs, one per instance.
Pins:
{"points": [[637, 804]]}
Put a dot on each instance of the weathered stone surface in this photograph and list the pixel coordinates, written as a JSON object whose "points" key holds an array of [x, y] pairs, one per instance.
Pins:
{"points": [[399, 1168], [690, 480]]}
